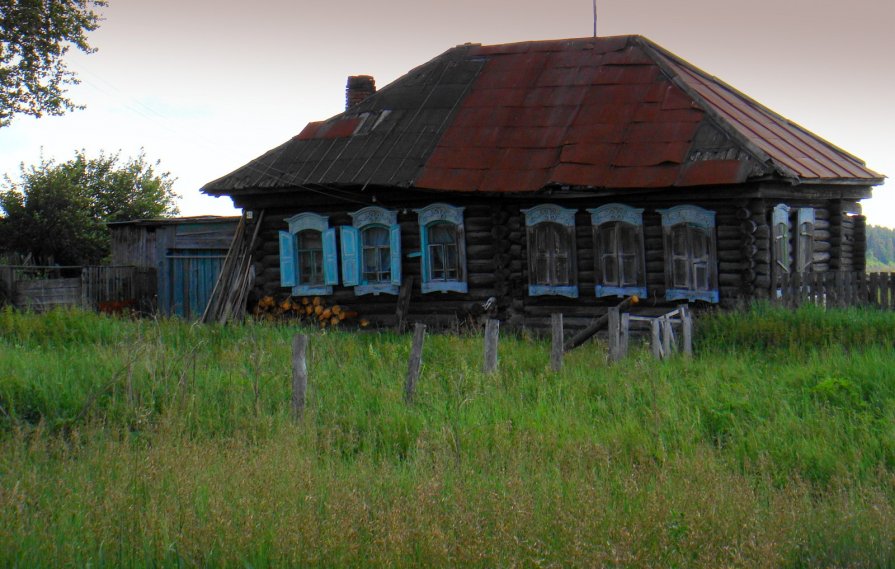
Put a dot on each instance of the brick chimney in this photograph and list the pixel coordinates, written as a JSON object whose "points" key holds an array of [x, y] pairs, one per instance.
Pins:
{"points": [[359, 88]]}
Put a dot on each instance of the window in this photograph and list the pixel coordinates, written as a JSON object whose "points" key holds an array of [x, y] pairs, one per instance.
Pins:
{"points": [[371, 251], [377, 255], [618, 250], [308, 257], [781, 237], [443, 248], [805, 240], [551, 251], [691, 270]]}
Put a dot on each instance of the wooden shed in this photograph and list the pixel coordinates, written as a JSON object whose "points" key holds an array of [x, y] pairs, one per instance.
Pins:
{"points": [[552, 176], [187, 253]]}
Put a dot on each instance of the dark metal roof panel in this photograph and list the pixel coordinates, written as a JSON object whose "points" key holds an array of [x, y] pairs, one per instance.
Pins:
{"points": [[786, 143], [595, 112]]}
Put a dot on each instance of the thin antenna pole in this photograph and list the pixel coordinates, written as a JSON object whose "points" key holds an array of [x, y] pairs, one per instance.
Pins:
{"points": [[595, 18]]}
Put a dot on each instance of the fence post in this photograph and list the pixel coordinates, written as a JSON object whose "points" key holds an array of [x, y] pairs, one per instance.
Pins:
{"points": [[415, 362], [614, 334], [556, 333], [492, 332], [656, 338], [668, 343], [299, 374], [687, 332], [625, 334]]}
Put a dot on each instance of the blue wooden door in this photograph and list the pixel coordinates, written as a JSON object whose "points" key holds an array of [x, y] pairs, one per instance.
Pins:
{"points": [[192, 274]]}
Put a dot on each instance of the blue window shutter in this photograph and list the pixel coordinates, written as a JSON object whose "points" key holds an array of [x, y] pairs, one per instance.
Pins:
{"points": [[330, 258], [395, 250], [424, 253], [350, 257], [287, 259]]}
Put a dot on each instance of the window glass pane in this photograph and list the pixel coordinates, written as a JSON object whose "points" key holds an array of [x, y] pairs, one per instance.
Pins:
{"points": [[551, 254], [310, 257], [610, 270], [629, 265], [442, 233], [385, 264], [561, 271], [371, 261], [451, 262], [375, 236], [436, 262], [607, 239], [443, 258], [541, 275], [377, 254], [700, 243], [680, 269], [679, 241], [628, 241], [559, 238], [701, 276]]}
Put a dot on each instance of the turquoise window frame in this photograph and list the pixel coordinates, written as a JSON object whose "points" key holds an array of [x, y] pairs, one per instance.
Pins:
{"points": [[289, 254], [616, 212], [427, 217], [352, 250], [704, 220], [551, 213]]}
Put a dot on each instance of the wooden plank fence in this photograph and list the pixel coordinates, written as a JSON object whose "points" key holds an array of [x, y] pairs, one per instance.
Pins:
{"points": [[103, 288], [836, 289]]}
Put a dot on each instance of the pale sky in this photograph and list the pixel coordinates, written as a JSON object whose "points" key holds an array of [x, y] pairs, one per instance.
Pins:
{"points": [[207, 85]]}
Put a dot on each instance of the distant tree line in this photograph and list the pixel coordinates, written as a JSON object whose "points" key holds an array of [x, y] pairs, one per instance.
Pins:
{"points": [[880, 247]]}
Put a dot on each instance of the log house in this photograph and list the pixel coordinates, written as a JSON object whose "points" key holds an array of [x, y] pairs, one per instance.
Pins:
{"points": [[553, 176]]}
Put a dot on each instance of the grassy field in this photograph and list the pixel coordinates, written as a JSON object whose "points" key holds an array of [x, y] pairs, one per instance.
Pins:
{"points": [[160, 444]]}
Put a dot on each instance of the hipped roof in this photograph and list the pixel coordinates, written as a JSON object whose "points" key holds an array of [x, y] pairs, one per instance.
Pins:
{"points": [[591, 113]]}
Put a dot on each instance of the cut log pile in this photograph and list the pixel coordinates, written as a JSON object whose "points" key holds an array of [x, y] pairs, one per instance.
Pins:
{"points": [[309, 310]]}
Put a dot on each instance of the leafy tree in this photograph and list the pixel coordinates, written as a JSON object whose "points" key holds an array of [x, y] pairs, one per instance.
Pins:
{"points": [[35, 35], [58, 212], [880, 247]]}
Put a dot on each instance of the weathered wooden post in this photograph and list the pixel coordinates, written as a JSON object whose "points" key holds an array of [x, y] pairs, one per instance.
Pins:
{"points": [[595, 326], [557, 341], [299, 374], [668, 344], [614, 334], [415, 362], [625, 335], [492, 332], [656, 338], [687, 332]]}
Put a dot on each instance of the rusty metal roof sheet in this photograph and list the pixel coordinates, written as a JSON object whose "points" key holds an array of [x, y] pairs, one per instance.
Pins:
{"points": [[613, 113]]}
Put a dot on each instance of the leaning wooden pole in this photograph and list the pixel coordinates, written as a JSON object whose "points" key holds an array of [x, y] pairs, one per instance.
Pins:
{"points": [[492, 333], [299, 374], [596, 325], [415, 362], [556, 350]]}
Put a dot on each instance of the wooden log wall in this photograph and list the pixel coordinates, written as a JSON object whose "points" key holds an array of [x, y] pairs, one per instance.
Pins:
{"points": [[438, 310], [497, 256], [757, 270], [859, 261]]}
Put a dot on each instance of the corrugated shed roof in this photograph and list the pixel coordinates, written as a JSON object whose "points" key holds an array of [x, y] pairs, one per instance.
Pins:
{"points": [[616, 112]]}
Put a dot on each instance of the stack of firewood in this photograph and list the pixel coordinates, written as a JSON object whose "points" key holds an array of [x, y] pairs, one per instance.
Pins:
{"points": [[310, 310]]}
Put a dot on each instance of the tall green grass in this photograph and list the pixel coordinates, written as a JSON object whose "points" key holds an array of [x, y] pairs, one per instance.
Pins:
{"points": [[158, 443]]}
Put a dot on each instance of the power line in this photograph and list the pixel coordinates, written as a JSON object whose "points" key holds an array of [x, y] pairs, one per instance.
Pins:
{"points": [[163, 121]]}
